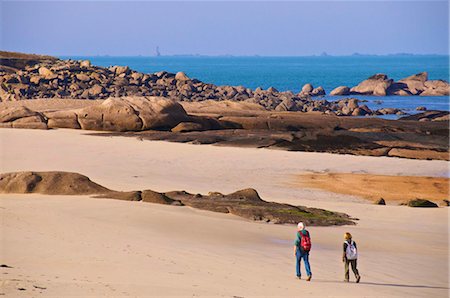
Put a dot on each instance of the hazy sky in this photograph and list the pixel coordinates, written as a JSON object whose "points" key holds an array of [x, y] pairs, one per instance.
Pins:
{"points": [[217, 28]]}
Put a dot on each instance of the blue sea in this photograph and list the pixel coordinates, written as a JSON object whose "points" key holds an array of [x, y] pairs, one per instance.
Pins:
{"points": [[291, 73]]}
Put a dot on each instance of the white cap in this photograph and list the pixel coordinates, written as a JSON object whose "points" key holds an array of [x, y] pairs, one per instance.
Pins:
{"points": [[301, 226]]}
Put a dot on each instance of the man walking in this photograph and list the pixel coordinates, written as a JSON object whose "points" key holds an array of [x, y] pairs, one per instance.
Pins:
{"points": [[302, 246]]}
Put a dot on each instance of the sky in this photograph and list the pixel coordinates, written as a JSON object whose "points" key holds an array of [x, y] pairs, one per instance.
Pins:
{"points": [[270, 28]]}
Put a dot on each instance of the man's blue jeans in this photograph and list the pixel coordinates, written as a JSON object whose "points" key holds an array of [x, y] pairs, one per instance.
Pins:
{"points": [[305, 257]]}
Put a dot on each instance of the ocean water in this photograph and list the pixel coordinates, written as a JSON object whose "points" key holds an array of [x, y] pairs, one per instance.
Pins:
{"points": [[291, 73]]}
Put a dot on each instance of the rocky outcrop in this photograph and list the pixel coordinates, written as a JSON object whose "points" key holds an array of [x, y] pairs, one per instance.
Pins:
{"points": [[244, 203], [81, 80], [414, 84], [341, 90], [52, 183], [375, 85], [421, 136], [319, 91], [113, 114], [316, 133], [248, 204], [11, 62], [309, 90], [428, 116], [11, 114], [351, 107], [418, 84], [24, 76], [21, 117], [436, 88], [54, 78]]}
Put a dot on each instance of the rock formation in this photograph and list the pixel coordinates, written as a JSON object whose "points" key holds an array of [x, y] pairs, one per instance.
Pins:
{"points": [[381, 85], [51, 183], [422, 136], [53, 78], [24, 76], [341, 90], [375, 85], [113, 114], [244, 203]]}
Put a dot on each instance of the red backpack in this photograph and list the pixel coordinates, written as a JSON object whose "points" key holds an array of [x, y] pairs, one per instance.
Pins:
{"points": [[305, 243]]}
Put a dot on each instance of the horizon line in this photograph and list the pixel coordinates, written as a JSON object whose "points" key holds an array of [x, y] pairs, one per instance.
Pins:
{"points": [[250, 55]]}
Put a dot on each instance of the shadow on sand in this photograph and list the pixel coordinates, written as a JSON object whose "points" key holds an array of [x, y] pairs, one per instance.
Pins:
{"points": [[403, 286], [385, 284]]}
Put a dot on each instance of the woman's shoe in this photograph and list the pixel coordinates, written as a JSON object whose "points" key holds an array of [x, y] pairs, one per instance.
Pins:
{"points": [[309, 278], [299, 277], [358, 278]]}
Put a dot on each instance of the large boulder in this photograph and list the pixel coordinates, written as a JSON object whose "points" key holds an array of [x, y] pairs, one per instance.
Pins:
{"points": [[359, 112], [307, 88], [96, 90], [111, 115], [46, 73], [62, 119], [286, 105], [121, 70], [399, 88], [341, 90], [374, 85], [181, 76], [31, 122], [83, 77], [272, 90], [157, 112], [35, 80], [318, 91], [52, 183], [114, 114], [13, 113], [436, 88], [414, 84], [85, 64], [420, 77], [353, 103]]}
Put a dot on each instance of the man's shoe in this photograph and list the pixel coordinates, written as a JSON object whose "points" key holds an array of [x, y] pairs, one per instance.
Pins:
{"points": [[299, 277], [358, 278], [309, 278]]}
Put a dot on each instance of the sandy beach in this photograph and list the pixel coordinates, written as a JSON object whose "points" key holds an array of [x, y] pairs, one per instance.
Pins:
{"points": [[99, 247], [182, 148]]}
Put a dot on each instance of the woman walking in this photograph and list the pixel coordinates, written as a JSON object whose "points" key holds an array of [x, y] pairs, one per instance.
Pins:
{"points": [[350, 257]]}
